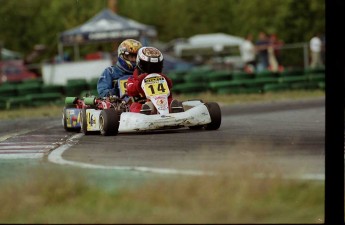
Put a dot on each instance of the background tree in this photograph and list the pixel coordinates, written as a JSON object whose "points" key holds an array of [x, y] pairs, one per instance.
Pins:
{"points": [[28, 22], [300, 20]]}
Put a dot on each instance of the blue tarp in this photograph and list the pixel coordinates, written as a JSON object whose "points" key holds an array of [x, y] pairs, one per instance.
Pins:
{"points": [[107, 26]]}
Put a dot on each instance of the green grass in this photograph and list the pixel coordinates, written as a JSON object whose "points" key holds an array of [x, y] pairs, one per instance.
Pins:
{"points": [[31, 112], [249, 98], [56, 110], [65, 195]]}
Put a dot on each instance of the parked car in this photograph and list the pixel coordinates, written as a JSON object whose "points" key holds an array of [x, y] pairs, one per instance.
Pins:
{"points": [[14, 71]]}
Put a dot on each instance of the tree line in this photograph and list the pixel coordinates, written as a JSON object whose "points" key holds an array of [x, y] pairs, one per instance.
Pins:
{"points": [[25, 23]]}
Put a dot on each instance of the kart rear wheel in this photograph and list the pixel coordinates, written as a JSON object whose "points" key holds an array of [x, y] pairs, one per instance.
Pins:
{"points": [[216, 116], [64, 122], [195, 99], [109, 121], [83, 122]]}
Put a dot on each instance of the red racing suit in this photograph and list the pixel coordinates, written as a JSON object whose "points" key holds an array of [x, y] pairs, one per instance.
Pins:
{"points": [[134, 89]]}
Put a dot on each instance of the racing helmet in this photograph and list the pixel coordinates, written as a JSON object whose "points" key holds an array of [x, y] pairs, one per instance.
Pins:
{"points": [[150, 60], [128, 47]]}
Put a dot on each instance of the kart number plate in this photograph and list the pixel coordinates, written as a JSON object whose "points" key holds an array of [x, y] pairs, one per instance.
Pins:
{"points": [[155, 85], [92, 119], [123, 86]]}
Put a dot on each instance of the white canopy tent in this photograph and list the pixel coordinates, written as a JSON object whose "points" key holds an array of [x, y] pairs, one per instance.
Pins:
{"points": [[7, 54], [106, 26]]}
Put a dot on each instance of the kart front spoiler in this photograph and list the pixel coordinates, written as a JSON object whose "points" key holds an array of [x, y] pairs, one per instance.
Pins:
{"points": [[131, 122]]}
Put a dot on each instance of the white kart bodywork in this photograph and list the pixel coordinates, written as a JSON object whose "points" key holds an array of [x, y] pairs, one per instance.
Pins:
{"points": [[196, 113]]}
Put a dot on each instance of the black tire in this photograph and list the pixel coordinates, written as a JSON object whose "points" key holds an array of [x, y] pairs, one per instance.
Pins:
{"points": [[195, 99], [109, 122], [83, 122], [197, 127], [64, 122], [216, 116]]}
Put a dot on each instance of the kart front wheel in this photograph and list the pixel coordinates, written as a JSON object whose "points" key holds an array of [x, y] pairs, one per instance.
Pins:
{"points": [[109, 121], [216, 116], [64, 122], [83, 122]]}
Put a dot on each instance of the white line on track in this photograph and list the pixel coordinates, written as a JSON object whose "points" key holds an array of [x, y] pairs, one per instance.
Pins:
{"points": [[9, 147], [9, 135], [8, 151], [56, 157], [32, 150], [22, 156], [20, 151]]}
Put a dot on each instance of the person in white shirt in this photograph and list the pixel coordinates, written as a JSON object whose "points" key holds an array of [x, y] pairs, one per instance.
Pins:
{"points": [[315, 46], [248, 54]]}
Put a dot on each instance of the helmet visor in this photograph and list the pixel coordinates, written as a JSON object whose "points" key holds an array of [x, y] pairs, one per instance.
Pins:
{"points": [[130, 56], [148, 67]]}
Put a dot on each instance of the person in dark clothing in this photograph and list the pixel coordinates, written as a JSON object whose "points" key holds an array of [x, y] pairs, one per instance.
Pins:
{"points": [[125, 65], [261, 47]]}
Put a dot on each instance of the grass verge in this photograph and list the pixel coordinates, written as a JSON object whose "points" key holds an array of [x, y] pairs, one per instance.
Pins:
{"points": [[56, 110], [65, 196]]}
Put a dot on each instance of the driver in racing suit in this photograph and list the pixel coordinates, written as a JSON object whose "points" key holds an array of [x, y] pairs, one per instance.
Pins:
{"points": [[127, 53], [149, 60]]}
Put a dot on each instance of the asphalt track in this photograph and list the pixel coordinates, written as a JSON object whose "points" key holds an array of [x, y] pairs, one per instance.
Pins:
{"points": [[288, 136]]}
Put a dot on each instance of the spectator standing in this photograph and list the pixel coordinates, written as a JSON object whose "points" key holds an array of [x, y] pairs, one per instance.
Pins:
{"points": [[323, 48], [315, 46], [248, 54], [261, 47], [274, 53], [277, 44]]}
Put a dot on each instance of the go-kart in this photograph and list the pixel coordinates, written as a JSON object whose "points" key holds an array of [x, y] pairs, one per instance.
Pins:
{"points": [[76, 118], [117, 118]]}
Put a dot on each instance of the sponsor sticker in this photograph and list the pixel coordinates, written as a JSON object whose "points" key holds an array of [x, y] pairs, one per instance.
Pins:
{"points": [[161, 102]]}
